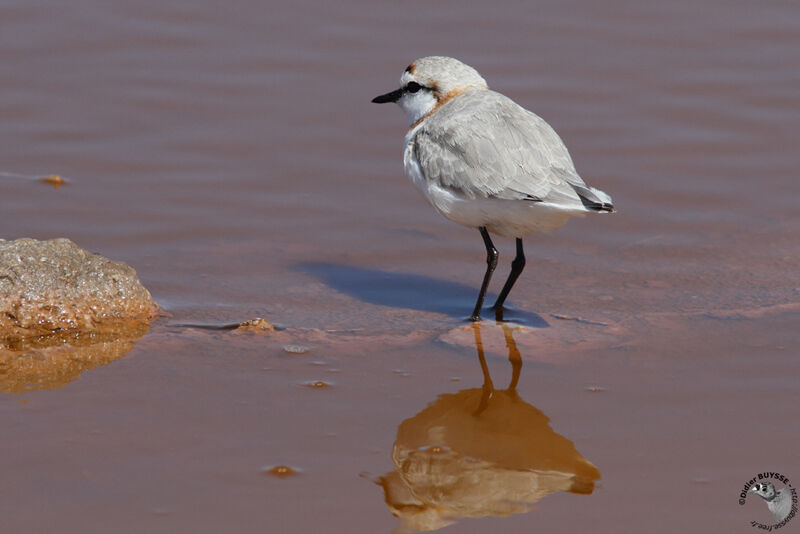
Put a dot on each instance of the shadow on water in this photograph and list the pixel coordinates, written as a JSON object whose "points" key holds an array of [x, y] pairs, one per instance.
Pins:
{"points": [[480, 452], [411, 291]]}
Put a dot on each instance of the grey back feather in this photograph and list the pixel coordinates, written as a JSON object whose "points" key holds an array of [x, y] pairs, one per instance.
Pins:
{"points": [[482, 144]]}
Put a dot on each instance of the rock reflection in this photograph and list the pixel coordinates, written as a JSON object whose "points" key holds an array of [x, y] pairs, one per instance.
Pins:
{"points": [[51, 362], [480, 452]]}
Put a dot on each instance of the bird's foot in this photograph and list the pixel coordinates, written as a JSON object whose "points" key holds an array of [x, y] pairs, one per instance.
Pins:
{"points": [[498, 312]]}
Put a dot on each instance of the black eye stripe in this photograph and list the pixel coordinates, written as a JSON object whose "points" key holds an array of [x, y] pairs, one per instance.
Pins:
{"points": [[413, 87]]}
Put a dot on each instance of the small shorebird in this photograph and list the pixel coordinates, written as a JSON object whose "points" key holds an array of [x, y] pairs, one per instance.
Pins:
{"points": [[485, 162]]}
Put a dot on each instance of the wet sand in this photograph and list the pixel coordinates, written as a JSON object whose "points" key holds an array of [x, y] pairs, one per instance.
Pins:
{"points": [[232, 157]]}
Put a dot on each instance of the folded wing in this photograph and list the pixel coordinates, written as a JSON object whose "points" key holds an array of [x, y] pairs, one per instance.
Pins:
{"points": [[484, 145]]}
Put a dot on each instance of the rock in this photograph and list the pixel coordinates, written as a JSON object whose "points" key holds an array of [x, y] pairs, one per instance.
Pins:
{"points": [[255, 325], [55, 286]]}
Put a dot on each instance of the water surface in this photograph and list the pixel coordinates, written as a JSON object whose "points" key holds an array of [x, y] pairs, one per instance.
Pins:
{"points": [[230, 154]]}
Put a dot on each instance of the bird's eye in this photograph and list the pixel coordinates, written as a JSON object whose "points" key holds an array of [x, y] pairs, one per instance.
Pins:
{"points": [[413, 87]]}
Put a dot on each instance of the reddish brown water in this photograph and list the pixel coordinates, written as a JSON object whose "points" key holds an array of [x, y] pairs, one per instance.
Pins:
{"points": [[230, 154]]}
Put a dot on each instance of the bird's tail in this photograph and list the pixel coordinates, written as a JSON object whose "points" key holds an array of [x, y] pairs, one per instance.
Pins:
{"points": [[594, 199]]}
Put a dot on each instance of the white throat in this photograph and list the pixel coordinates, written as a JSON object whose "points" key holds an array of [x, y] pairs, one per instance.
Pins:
{"points": [[417, 105]]}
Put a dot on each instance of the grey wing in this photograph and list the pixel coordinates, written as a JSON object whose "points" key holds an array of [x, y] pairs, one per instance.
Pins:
{"points": [[482, 144]]}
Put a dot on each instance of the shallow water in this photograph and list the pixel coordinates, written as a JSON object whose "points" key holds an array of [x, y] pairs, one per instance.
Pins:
{"points": [[230, 154]]}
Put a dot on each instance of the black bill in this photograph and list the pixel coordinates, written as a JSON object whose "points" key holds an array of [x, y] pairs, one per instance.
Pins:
{"points": [[394, 96]]}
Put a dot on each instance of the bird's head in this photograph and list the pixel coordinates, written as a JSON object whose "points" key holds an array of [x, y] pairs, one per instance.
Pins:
{"points": [[429, 82], [765, 490]]}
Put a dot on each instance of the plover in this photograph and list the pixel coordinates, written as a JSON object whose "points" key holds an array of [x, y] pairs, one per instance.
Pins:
{"points": [[485, 162], [779, 502]]}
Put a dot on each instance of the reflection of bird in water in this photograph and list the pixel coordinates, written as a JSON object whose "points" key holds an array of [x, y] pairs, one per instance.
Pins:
{"points": [[779, 502], [480, 452]]}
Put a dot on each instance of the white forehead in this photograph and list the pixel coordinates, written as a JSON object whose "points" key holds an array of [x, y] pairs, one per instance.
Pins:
{"points": [[444, 74]]}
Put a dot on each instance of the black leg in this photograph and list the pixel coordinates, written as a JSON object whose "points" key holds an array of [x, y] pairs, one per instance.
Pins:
{"points": [[491, 263], [516, 269]]}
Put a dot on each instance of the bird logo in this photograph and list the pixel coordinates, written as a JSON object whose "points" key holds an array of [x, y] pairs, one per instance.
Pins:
{"points": [[779, 501]]}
